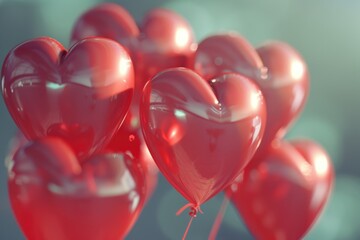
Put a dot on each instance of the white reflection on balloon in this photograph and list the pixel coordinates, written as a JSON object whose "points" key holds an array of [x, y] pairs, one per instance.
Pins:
{"points": [[297, 69], [124, 65], [135, 199], [321, 164], [256, 100], [256, 124], [299, 94], [180, 114], [124, 184], [54, 86], [182, 37]]}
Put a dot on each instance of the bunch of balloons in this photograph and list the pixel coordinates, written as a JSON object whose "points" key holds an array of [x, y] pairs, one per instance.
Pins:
{"points": [[212, 115]]}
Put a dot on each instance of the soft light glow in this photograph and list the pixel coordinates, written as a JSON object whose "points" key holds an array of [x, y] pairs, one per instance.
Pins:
{"points": [[182, 37], [180, 114], [321, 165], [297, 70], [54, 86], [173, 133], [255, 100], [124, 65]]}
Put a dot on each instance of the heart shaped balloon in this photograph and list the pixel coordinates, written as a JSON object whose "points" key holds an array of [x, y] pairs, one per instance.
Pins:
{"points": [[81, 95], [286, 89], [222, 53], [166, 40], [281, 196], [107, 20], [277, 68], [201, 135], [53, 197]]}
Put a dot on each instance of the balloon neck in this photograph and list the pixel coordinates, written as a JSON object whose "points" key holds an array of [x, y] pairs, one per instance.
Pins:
{"points": [[194, 209]]}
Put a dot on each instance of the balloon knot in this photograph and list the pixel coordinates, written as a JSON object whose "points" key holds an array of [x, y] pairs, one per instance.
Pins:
{"points": [[194, 210]]}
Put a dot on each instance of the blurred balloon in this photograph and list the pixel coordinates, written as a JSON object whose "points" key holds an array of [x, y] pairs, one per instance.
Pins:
{"points": [[224, 53], [167, 40], [281, 195], [81, 95], [54, 197], [201, 135], [285, 89], [107, 20]]}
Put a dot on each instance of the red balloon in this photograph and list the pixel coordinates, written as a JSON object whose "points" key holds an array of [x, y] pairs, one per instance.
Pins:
{"points": [[286, 88], [201, 135], [281, 196], [81, 95], [223, 53], [107, 20], [167, 40], [54, 197]]}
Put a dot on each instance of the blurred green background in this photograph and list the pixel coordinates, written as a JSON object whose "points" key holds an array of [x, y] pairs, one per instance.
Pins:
{"points": [[325, 32]]}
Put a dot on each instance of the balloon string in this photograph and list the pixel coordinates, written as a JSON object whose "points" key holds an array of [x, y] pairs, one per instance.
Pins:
{"points": [[183, 208], [216, 226], [194, 209], [188, 227]]}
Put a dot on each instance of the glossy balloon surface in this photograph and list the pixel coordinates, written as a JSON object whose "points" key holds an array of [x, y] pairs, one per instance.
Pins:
{"points": [[108, 20], [286, 88], [201, 135], [167, 40], [281, 196], [224, 53], [53, 197], [81, 95]]}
